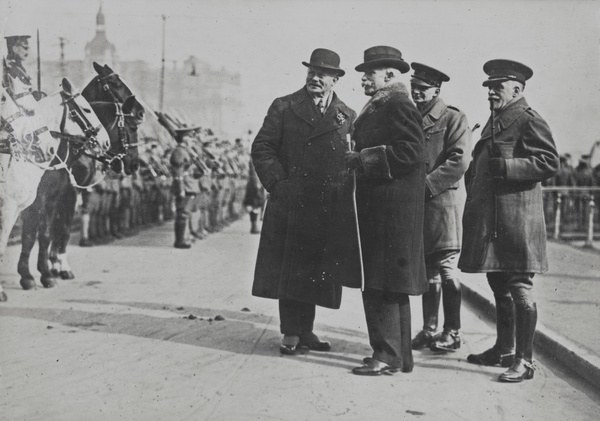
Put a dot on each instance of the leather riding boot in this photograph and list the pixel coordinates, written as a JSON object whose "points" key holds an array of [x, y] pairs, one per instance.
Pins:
{"points": [[523, 368], [405, 333], [449, 340], [502, 353], [180, 227], [431, 306], [451, 296]]}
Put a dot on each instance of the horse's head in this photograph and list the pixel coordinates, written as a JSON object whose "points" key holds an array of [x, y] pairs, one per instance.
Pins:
{"points": [[122, 127], [70, 117], [108, 86]]}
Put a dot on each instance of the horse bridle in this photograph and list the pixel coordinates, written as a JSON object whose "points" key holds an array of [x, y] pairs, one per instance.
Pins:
{"points": [[80, 144], [123, 134], [120, 120]]}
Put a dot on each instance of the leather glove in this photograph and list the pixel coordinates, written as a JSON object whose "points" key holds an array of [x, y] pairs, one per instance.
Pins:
{"points": [[497, 167], [353, 160]]}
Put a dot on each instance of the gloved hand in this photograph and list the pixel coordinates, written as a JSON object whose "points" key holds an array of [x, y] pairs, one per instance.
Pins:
{"points": [[497, 167], [353, 160]]}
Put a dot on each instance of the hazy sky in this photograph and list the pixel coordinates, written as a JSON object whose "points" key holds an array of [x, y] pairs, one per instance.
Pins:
{"points": [[266, 40]]}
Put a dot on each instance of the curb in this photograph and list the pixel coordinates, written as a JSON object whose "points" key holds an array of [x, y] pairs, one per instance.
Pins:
{"points": [[546, 342]]}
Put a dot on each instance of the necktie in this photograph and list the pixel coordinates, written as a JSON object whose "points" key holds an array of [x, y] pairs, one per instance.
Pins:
{"points": [[321, 106]]}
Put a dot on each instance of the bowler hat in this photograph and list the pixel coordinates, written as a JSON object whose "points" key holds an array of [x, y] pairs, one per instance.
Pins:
{"points": [[501, 70], [383, 56], [325, 59], [427, 76]]}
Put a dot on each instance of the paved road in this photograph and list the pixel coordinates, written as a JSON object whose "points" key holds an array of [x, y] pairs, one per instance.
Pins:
{"points": [[137, 337]]}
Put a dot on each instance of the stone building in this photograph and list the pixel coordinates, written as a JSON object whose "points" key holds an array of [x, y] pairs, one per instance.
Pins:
{"points": [[195, 91]]}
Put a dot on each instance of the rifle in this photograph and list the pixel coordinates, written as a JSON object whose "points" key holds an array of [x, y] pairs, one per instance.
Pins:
{"points": [[39, 74]]}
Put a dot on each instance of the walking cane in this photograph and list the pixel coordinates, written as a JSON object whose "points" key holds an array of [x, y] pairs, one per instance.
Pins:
{"points": [[493, 154], [362, 269]]}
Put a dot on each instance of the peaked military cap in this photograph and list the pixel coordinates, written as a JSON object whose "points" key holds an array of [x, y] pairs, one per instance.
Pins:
{"points": [[12, 40], [325, 59], [427, 76], [501, 70]]}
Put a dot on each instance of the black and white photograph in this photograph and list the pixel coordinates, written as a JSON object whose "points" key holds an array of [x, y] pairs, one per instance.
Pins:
{"points": [[246, 210]]}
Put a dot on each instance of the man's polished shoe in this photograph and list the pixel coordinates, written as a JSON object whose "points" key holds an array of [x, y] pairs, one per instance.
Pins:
{"points": [[519, 371], [449, 341], [287, 349], [492, 357], [182, 245], [315, 346], [289, 345], [373, 367], [311, 341], [423, 339]]}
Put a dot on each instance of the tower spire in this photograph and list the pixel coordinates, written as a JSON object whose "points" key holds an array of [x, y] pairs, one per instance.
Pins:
{"points": [[100, 20]]}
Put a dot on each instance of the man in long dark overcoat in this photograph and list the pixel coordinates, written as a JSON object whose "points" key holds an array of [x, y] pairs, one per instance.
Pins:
{"points": [[390, 169], [298, 155], [447, 156], [504, 230]]}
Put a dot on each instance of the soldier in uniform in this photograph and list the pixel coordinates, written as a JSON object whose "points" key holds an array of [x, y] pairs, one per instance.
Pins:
{"points": [[504, 234], [185, 186], [447, 153], [17, 47]]}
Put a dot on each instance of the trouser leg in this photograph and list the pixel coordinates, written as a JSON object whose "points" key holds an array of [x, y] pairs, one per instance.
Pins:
{"points": [[383, 313], [296, 318]]}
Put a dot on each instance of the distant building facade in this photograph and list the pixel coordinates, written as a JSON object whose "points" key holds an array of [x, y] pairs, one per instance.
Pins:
{"points": [[195, 92]]}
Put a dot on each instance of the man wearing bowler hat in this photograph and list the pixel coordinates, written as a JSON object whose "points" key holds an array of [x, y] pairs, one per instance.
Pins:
{"points": [[390, 170], [447, 153], [504, 231], [185, 187], [298, 155]]}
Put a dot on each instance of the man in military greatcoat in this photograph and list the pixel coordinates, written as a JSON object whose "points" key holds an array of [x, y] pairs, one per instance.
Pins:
{"points": [[504, 233], [447, 154], [298, 155], [185, 186]]}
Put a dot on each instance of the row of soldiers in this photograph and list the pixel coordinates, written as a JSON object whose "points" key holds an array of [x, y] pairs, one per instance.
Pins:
{"points": [[575, 205], [119, 205]]}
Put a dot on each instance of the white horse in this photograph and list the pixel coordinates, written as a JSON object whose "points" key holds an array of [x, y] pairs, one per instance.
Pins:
{"points": [[63, 115]]}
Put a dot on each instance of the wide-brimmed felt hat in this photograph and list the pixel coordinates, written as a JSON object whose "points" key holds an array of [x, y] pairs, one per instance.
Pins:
{"points": [[427, 76], [501, 70], [383, 56], [325, 59], [182, 131]]}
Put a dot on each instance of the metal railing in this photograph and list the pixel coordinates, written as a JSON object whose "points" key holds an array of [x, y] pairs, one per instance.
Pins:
{"points": [[572, 212]]}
